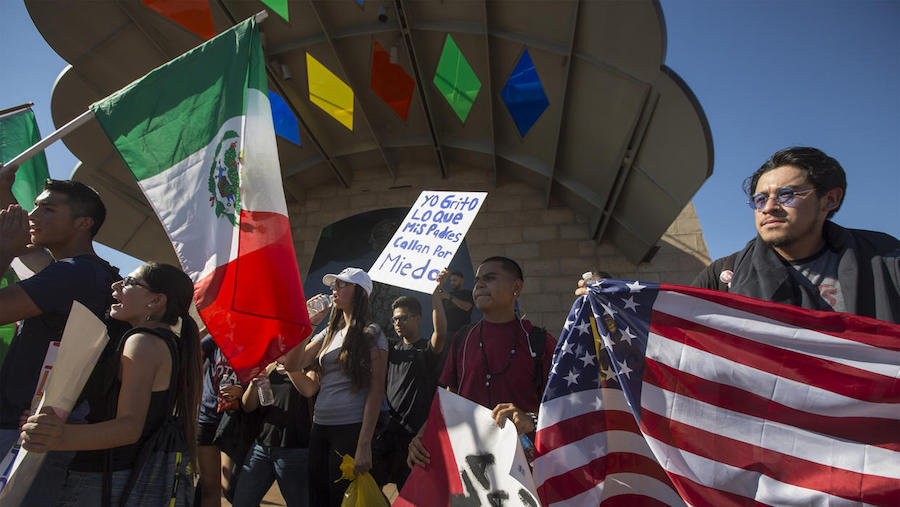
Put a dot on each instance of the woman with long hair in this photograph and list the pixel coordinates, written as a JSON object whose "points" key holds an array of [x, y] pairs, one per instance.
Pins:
{"points": [[152, 300], [348, 372]]}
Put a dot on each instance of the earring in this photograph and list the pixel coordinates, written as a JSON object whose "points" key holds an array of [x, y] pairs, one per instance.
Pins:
{"points": [[147, 318]]}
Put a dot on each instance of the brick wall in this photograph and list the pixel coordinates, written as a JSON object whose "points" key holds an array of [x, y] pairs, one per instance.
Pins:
{"points": [[552, 244]]}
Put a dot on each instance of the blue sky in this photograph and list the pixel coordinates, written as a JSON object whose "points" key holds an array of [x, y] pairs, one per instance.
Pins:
{"points": [[769, 74]]}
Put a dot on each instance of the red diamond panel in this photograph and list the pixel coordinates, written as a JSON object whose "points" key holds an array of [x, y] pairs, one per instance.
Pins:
{"points": [[390, 82]]}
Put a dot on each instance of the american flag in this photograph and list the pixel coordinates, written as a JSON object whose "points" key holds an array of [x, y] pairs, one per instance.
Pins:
{"points": [[662, 394]]}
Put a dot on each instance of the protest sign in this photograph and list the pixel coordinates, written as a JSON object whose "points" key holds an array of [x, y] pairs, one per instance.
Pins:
{"points": [[473, 462], [427, 239], [72, 362]]}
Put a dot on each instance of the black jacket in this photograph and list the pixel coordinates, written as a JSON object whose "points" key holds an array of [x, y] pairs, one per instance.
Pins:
{"points": [[868, 272]]}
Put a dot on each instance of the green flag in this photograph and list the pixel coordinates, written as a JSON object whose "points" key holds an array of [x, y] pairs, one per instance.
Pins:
{"points": [[18, 132], [7, 330]]}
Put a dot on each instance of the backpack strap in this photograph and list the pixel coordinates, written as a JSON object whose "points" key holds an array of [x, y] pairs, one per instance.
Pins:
{"points": [[538, 340], [169, 338]]}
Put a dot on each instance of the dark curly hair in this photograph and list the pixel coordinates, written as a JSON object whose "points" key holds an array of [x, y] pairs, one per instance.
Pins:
{"points": [[824, 172]]}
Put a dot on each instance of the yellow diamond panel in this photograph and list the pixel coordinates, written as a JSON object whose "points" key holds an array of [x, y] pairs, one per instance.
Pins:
{"points": [[328, 92]]}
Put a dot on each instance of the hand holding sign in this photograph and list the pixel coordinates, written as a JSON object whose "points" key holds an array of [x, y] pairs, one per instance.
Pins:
{"points": [[427, 239]]}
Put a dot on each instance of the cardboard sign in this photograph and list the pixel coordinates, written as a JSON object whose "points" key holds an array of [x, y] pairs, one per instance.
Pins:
{"points": [[427, 239], [473, 462], [67, 366]]}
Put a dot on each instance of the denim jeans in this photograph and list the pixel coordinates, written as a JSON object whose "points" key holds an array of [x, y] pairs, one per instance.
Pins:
{"points": [[86, 488], [266, 464]]}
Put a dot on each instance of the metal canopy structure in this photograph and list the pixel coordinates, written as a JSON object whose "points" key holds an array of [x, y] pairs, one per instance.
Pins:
{"points": [[623, 140]]}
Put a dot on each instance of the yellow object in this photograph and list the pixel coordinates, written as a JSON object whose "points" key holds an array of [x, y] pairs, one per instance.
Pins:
{"points": [[362, 491], [328, 92]]}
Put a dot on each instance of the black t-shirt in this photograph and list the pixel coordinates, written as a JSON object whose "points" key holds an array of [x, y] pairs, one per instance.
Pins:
{"points": [[84, 278], [457, 317], [412, 372], [286, 422]]}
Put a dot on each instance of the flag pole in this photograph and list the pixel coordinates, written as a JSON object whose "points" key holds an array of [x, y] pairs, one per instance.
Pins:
{"points": [[47, 141], [68, 127], [15, 109]]}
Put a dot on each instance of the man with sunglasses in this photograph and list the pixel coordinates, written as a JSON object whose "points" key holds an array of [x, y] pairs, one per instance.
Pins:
{"points": [[65, 218], [412, 374], [800, 257]]}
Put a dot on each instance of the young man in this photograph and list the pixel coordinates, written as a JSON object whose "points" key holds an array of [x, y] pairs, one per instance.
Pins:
{"points": [[65, 218], [491, 362], [799, 256], [457, 303], [411, 383]]}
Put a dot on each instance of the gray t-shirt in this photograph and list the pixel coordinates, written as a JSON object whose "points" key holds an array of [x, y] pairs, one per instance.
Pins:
{"points": [[338, 402], [821, 272]]}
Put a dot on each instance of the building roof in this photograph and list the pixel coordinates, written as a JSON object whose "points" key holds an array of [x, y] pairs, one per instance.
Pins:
{"points": [[616, 135]]}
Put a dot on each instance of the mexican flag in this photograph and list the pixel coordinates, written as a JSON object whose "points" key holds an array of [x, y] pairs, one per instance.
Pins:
{"points": [[197, 134]]}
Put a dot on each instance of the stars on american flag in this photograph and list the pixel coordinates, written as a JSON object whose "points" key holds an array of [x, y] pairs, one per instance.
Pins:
{"points": [[609, 356]]}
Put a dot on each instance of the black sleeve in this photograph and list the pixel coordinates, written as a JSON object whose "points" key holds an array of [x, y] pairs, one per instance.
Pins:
{"points": [[708, 278]]}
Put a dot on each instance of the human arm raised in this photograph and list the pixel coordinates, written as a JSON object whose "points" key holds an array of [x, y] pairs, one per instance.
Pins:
{"points": [[438, 316]]}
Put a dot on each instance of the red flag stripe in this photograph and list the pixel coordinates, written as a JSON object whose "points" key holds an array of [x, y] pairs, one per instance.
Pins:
{"points": [[840, 325], [833, 376], [583, 478], [699, 495], [433, 484], [782, 467], [632, 500], [579, 427], [799, 442], [255, 295], [866, 430]]}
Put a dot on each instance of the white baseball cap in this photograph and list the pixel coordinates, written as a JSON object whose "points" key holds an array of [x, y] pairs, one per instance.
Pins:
{"points": [[352, 275]]}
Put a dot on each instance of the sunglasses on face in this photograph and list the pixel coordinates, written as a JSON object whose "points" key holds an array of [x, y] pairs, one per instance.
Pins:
{"points": [[130, 281], [401, 319], [785, 196], [340, 284]]}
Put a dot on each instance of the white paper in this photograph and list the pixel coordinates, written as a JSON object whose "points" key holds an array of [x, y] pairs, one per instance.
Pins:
{"points": [[84, 338], [427, 239], [475, 439]]}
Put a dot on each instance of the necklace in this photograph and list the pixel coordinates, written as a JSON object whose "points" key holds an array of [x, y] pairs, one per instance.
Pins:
{"points": [[487, 370]]}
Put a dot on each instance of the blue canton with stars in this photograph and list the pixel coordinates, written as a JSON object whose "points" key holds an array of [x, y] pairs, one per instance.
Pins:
{"points": [[621, 311]]}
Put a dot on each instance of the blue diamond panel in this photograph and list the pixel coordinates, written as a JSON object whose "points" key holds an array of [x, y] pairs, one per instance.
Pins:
{"points": [[283, 118], [524, 95]]}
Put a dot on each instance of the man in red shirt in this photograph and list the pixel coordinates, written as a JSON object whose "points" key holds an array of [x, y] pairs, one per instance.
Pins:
{"points": [[492, 362]]}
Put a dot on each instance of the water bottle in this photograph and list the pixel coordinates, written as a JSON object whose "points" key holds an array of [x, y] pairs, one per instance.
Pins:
{"points": [[317, 304], [264, 389]]}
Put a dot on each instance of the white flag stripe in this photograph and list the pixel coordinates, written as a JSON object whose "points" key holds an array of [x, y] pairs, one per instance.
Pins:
{"points": [[624, 484], [185, 214], [788, 392], [742, 482], [580, 403], [804, 444], [580, 453], [773, 332], [261, 187]]}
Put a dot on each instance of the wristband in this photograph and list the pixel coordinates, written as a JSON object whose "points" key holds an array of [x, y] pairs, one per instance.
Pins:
{"points": [[533, 419]]}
